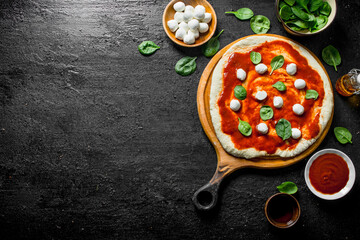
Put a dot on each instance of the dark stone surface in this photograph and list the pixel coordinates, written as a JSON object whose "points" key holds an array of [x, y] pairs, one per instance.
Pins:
{"points": [[100, 142]]}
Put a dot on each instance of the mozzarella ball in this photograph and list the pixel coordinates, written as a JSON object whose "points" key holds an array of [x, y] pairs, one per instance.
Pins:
{"points": [[180, 33], [298, 109], [262, 128], [184, 25], [189, 38], [193, 24], [188, 16], [358, 79], [261, 95], [295, 133], [195, 32], [241, 74], [199, 12], [291, 68], [179, 17], [300, 83], [278, 102], [173, 25], [235, 105], [179, 6], [189, 8], [203, 27], [207, 18], [261, 68]]}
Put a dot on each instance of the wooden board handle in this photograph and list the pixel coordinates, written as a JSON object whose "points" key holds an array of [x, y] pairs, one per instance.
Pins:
{"points": [[206, 197]]}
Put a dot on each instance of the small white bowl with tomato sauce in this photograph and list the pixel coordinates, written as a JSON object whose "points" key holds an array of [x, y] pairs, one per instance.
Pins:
{"points": [[330, 174]]}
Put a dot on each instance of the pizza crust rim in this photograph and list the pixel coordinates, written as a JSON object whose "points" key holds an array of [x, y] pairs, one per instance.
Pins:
{"points": [[216, 89]]}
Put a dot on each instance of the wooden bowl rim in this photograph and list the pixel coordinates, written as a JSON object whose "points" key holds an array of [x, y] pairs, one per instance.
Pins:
{"points": [[179, 42], [297, 208]]}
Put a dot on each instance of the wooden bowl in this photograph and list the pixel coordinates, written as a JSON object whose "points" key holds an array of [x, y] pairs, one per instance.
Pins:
{"points": [[282, 210], [204, 37], [302, 33]]}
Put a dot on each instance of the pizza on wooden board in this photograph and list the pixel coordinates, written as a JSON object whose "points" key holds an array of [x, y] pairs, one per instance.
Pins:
{"points": [[275, 103]]}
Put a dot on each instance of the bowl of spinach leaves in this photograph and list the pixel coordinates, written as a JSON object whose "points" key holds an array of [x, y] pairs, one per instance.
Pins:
{"points": [[305, 17]]}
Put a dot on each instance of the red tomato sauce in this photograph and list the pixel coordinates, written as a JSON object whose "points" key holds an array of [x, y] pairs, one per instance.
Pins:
{"points": [[329, 173], [308, 123]]}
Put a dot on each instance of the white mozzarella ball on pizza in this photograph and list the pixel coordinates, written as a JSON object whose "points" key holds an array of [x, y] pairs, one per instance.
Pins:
{"points": [[235, 105], [295, 133], [241, 74], [262, 128], [300, 83], [291, 68], [298, 109], [261, 68], [278, 102]]}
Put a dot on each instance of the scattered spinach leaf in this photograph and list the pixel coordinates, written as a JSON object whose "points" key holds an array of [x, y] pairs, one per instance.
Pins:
{"points": [[283, 129], [287, 187], [260, 24], [325, 9], [276, 63], [240, 92], [244, 128], [255, 57], [147, 47], [311, 94], [210, 48], [279, 86], [342, 135], [243, 13], [266, 113], [185, 66], [331, 56], [290, 2]]}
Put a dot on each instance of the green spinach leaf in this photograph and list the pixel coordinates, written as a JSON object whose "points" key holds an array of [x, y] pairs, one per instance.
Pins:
{"points": [[290, 2], [276, 63], [283, 129], [240, 92], [266, 112], [325, 9], [303, 4], [147, 47], [185, 66], [321, 21], [342, 135], [244, 128], [311, 94], [331, 56], [243, 13], [255, 57], [260, 24], [286, 13], [279, 86], [315, 5], [210, 48], [287, 187]]}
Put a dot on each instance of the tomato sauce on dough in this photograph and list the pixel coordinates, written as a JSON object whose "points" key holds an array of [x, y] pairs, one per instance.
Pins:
{"points": [[329, 173], [308, 123]]}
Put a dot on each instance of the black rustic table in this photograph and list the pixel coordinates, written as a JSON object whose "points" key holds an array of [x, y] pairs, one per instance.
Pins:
{"points": [[100, 142]]}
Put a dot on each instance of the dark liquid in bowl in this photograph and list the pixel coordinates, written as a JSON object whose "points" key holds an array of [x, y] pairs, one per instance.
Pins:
{"points": [[281, 209]]}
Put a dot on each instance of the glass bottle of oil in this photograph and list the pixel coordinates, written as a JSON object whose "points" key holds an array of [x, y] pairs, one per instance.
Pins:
{"points": [[349, 84]]}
